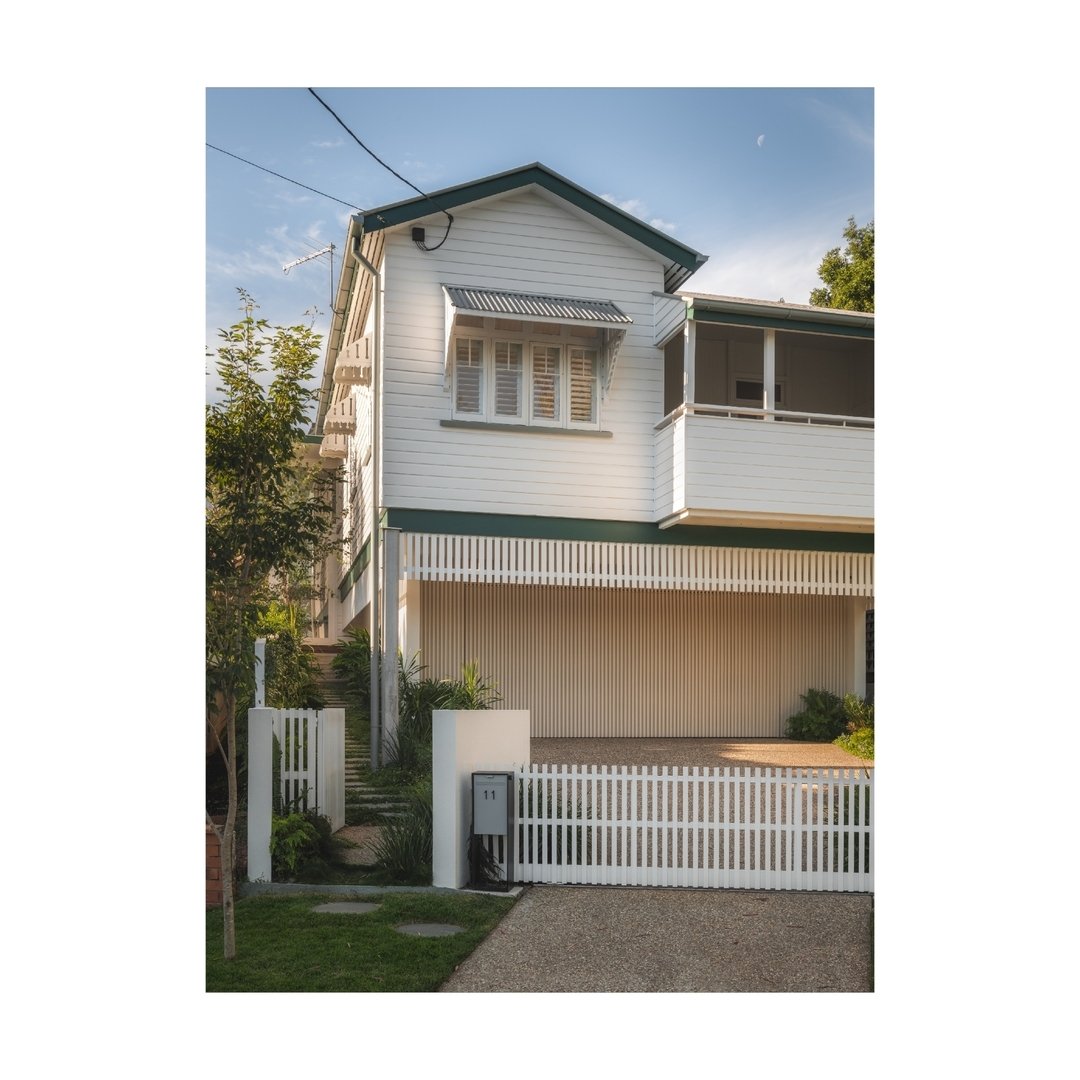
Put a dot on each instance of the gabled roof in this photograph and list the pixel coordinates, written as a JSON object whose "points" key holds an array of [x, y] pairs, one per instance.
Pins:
{"points": [[681, 261]]}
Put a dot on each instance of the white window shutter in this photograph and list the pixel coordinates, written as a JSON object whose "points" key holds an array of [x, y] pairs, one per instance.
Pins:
{"points": [[469, 376], [582, 386], [545, 382], [507, 378]]}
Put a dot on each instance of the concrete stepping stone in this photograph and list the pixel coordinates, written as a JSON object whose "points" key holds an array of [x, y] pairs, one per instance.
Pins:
{"points": [[347, 907], [429, 929]]}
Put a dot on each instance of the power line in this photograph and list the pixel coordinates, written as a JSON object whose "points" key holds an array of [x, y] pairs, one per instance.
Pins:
{"points": [[350, 205], [449, 217]]}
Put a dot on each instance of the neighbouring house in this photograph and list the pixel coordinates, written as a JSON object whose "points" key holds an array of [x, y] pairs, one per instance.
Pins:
{"points": [[644, 511]]}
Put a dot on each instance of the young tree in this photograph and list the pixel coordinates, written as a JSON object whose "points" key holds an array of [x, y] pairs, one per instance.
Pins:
{"points": [[265, 513], [848, 278]]}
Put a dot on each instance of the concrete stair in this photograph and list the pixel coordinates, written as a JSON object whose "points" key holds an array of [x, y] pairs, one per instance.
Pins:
{"points": [[363, 802]]}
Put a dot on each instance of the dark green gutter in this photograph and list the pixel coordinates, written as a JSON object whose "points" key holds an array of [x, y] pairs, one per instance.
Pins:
{"points": [[770, 322], [636, 532]]}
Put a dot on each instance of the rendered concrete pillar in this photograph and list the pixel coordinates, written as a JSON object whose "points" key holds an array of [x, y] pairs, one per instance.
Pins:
{"points": [[464, 742], [260, 792]]}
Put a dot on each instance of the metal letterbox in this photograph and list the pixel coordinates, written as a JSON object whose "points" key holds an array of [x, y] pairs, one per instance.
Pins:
{"points": [[491, 804], [492, 826]]}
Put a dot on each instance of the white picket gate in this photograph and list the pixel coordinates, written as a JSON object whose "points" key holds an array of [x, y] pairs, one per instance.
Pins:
{"points": [[311, 761], [800, 829]]}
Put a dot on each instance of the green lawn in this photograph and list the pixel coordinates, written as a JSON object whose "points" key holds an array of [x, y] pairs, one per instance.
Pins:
{"points": [[283, 945]]}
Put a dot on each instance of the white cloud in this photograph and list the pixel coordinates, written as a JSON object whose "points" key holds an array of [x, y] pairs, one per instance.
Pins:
{"points": [[328, 144], [244, 265], [639, 209], [293, 198], [842, 122], [766, 267]]}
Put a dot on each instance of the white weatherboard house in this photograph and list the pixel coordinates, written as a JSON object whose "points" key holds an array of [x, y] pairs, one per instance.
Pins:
{"points": [[643, 511]]}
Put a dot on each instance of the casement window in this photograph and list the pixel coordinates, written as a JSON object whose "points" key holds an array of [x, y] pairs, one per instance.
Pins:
{"points": [[751, 391], [520, 380]]}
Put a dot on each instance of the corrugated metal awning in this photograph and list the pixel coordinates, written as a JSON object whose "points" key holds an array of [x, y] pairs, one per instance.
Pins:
{"points": [[536, 307]]}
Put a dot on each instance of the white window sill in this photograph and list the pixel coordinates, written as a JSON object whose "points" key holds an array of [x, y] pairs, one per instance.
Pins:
{"points": [[525, 429]]}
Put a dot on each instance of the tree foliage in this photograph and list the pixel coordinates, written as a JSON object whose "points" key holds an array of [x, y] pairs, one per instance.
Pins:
{"points": [[267, 517], [848, 276]]}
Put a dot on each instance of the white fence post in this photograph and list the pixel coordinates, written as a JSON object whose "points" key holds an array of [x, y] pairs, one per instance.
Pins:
{"points": [[464, 742], [260, 672], [260, 793], [330, 783]]}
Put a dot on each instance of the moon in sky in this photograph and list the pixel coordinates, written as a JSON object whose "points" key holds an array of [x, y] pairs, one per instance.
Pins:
{"points": [[761, 140]]}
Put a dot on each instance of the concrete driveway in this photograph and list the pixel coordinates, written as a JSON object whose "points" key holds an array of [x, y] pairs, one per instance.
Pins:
{"points": [[604, 939]]}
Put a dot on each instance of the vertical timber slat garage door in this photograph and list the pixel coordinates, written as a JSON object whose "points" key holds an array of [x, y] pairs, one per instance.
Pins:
{"points": [[591, 662]]}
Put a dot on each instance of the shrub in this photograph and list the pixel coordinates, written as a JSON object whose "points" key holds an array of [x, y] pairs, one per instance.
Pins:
{"points": [[292, 673], [821, 720], [403, 850], [860, 743], [353, 666], [409, 747], [300, 843], [859, 713]]}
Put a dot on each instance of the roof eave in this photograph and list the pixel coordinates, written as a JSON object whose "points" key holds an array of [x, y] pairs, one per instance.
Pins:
{"points": [[682, 259]]}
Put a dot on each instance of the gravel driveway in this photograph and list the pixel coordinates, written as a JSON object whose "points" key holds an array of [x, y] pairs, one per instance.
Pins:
{"points": [[601, 939], [620, 939]]}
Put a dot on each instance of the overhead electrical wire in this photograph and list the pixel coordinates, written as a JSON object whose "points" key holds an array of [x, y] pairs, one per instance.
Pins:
{"points": [[350, 205], [449, 217]]}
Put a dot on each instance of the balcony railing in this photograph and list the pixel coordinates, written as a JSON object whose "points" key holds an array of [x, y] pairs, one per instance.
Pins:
{"points": [[747, 467], [746, 412]]}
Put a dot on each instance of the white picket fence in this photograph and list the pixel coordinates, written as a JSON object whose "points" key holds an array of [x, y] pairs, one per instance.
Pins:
{"points": [[311, 761], [801, 829]]}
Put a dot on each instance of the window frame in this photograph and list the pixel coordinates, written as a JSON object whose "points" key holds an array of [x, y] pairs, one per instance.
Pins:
{"points": [[779, 383], [528, 339]]}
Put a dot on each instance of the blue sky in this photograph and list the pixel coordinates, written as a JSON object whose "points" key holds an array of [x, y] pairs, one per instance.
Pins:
{"points": [[760, 180]]}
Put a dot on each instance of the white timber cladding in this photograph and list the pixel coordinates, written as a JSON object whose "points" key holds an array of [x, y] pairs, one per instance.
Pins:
{"points": [[731, 464], [524, 242], [518, 561], [642, 663], [669, 314]]}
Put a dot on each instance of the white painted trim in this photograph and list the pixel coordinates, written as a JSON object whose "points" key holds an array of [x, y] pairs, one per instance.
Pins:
{"points": [[755, 519], [587, 563]]}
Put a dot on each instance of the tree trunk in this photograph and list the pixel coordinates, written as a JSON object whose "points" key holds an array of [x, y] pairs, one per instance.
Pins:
{"points": [[228, 839]]}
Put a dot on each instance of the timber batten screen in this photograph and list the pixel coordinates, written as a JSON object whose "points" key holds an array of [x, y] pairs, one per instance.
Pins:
{"points": [[641, 663], [519, 561]]}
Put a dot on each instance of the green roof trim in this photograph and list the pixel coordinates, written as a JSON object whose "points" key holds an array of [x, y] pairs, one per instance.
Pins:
{"points": [[386, 217], [771, 322], [636, 532]]}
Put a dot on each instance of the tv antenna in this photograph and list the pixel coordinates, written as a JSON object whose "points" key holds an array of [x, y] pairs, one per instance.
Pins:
{"points": [[328, 250]]}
